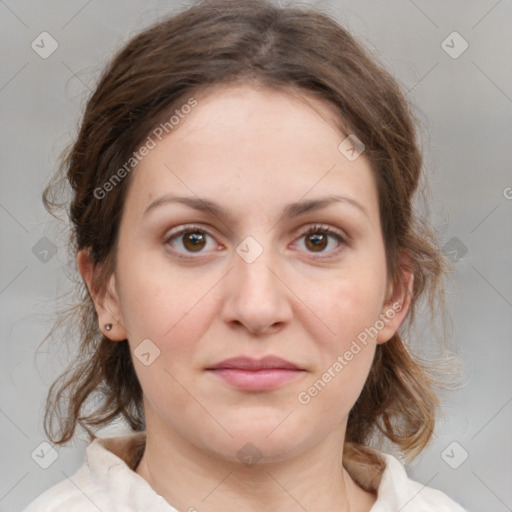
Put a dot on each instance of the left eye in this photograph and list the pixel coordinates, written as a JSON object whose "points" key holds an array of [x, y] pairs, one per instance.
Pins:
{"points": [[318, 239], [191, 241]]}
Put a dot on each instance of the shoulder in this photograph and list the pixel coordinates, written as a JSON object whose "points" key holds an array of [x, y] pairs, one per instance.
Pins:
{"points": [[66, 496], [397, 491], [105, 481]]}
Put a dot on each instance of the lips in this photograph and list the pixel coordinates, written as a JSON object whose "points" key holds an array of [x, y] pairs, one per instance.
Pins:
{"points": [[247, 363], [248, 374]]}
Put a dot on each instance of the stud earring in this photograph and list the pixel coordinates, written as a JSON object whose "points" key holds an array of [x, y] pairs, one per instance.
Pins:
{"points": [[108, 327]]}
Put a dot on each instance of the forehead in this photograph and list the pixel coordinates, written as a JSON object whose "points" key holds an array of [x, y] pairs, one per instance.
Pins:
{"points": [[227, 115], [253, 145]]}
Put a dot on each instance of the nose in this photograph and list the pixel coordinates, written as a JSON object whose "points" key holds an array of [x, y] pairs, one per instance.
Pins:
{"points": [[257, 297]]}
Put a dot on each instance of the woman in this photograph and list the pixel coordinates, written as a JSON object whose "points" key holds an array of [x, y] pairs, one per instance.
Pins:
{"points": [[242, 188]]}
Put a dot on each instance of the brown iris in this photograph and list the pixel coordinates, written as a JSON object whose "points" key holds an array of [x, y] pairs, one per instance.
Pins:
{"points": [[194, 241], [316, 241]]}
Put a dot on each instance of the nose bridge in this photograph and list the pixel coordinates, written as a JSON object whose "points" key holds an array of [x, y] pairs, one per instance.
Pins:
{"points": [[257, 298], [252, 271], [258, 275]]}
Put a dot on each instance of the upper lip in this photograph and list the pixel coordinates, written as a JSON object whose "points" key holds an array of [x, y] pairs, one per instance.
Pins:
{"points": [[249, 363]]}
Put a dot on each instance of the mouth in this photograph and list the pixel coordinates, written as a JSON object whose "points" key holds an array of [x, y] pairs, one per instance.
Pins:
{"points": [[250, 374]]}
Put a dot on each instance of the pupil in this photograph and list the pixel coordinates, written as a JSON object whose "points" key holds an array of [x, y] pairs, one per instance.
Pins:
{"points": [[317, 242], [194, 241]]}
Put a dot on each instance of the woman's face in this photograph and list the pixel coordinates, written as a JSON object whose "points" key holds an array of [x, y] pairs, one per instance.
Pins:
{"points": [[194, 287]]}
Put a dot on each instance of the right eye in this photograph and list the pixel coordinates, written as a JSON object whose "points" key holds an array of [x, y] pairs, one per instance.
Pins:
{"points": [[189, 240]]}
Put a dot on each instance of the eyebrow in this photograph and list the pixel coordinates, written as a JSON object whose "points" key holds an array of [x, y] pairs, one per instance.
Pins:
{"points": [[291, 210]]}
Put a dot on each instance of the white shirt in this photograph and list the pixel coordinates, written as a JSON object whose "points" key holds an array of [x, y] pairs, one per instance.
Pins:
{"points": [[107, 482]]}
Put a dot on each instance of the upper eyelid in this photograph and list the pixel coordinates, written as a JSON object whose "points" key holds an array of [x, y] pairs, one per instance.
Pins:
{"points": [[325, 227], [183, 228], [209, 230]]}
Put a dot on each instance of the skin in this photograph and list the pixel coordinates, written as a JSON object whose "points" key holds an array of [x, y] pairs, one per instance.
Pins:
{"points": [[252, 151]]}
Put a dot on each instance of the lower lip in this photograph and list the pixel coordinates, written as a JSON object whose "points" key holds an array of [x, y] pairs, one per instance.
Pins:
{"points": [[256, 380]]}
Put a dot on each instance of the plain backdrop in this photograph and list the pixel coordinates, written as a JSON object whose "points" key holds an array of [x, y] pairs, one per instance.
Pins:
{"points": [[465, 97]]}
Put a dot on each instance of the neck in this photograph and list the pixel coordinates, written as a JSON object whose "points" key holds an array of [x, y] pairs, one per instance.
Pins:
{"points": [[191, 479]]}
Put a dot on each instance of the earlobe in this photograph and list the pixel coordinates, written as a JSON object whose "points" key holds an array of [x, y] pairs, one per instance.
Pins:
{"points": [[105, 299], [396, 308]]}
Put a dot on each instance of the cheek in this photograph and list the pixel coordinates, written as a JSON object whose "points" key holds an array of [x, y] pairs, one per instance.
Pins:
{"points": [[346, 304], [349, 305], [171, 311], [157, 299]]}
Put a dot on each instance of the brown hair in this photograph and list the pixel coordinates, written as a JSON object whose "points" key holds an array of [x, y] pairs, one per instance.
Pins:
{"points": [[225, 42]]}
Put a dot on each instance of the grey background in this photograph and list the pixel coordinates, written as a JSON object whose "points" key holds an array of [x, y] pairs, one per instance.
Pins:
{"points": [[467, 106]]}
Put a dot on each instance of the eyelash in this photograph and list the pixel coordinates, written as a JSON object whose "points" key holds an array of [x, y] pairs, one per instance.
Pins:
{"points": [[322, 228], [316, 228], [191, 228]]}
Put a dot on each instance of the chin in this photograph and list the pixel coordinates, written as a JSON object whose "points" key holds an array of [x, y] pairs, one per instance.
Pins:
{"points": [[257, 440]]}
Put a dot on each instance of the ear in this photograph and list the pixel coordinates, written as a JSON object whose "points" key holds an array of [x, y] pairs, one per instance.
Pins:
{"points": [[106, 302], [396, 307]]}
